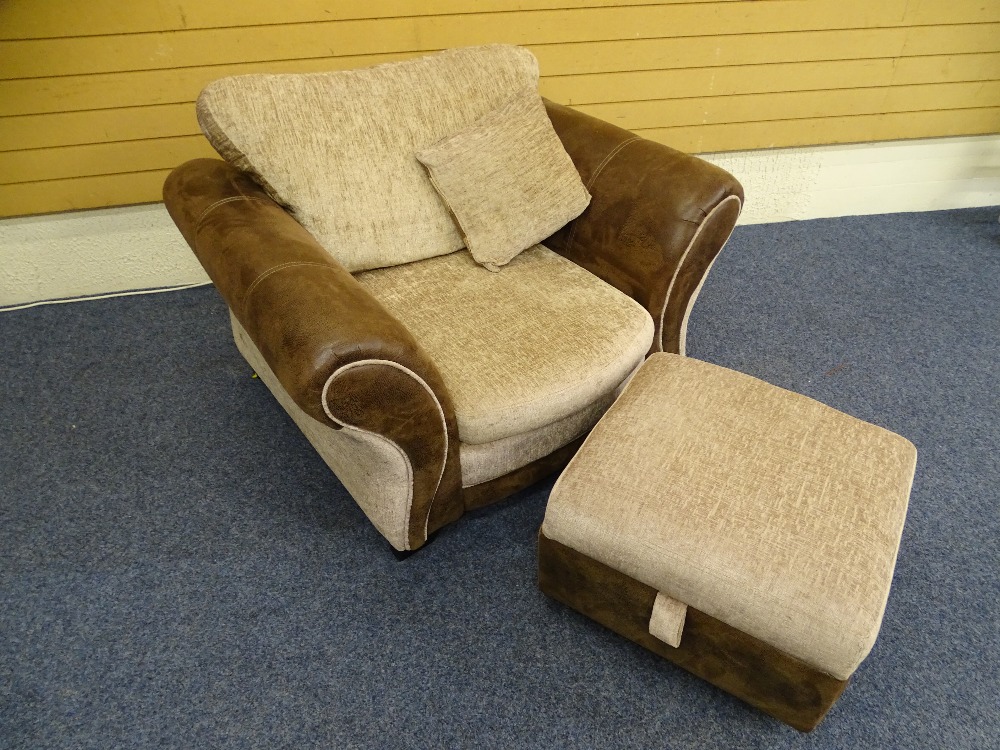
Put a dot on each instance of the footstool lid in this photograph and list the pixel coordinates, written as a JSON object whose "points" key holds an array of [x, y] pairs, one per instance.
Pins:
{"points": [[761, 507]]}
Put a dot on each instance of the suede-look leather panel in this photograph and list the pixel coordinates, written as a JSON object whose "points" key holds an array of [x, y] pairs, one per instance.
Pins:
{"points": [[656, 220], [750, 669], [309, 318]]}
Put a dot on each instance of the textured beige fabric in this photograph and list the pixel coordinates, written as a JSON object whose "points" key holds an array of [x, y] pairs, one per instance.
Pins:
{"points": [[372, 468], [338, 148], [763, 508], [519, 349], [667, 620], [507, 179], [486, 461]]}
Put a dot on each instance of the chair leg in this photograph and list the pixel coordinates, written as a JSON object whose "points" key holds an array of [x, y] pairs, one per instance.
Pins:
{"points": [[404, 554]]}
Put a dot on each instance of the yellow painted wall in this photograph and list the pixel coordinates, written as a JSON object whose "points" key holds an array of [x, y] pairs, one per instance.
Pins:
{"points": [[96, 95]]}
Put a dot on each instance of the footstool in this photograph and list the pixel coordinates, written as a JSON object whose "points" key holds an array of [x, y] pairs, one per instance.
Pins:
{"points": [[742, 531]]}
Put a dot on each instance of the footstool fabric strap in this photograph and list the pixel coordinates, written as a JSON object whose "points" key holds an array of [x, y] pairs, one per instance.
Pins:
{"points": [[667, 621]]}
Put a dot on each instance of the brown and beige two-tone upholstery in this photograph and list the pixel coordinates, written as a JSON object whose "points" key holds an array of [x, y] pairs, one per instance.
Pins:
{"points": [[427, 382], [769, 518], [657, 220], [329, 348]]}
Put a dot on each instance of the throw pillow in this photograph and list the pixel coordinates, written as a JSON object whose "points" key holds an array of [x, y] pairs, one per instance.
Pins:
{"points": [[507, 180]]}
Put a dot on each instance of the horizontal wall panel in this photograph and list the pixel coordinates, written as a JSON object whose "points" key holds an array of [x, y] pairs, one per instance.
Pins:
{"points": [[145, 187], [754, 49], [797, 105], [112, 90], [161, 121], [96, 126], [84, 192], [859, 129], [97, 97], [21, 19], [112, 158], [613, 88], [128, 52], [183, 84], [99, 159]]}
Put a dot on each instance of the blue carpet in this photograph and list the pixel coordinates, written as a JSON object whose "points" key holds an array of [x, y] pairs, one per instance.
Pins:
{"points": [[179, 569]]}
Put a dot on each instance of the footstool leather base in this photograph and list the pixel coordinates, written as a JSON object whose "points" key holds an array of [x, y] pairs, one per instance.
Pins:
{"points": [[776, 683]]}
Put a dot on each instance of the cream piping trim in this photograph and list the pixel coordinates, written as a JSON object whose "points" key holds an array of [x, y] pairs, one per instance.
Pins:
{"points": [[682, 348], [444, 426], [673, 279]]}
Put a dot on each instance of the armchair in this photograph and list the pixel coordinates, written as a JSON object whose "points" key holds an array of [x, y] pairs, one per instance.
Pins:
{"points": [[431, 385]]}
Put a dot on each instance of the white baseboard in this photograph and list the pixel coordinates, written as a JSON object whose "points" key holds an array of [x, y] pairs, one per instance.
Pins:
{"points": [[87, 254], [871, 178], [84, 254]]}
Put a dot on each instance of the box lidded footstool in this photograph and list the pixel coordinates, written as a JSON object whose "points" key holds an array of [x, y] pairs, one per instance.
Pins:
{"points": [[745, 532]]}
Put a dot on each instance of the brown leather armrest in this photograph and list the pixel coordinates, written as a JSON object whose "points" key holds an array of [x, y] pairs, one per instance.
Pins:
{"points": [[657, 219], [342, 357]]}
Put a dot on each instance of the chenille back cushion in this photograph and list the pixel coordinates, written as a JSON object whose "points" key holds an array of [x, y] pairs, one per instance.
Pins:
{"points": [[337, 149], [507, 179]]}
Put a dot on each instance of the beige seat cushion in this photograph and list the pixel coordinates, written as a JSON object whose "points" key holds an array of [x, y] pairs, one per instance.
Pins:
{"points": [[760, 507], [482, 462], [518, 349], [338, 148]]}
